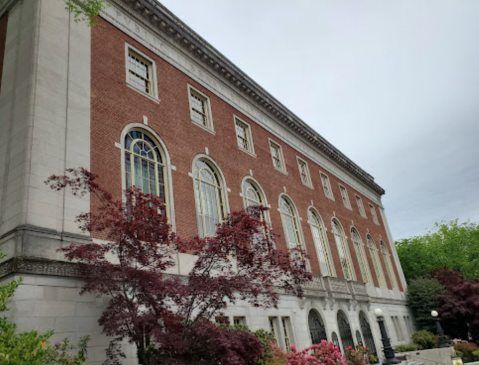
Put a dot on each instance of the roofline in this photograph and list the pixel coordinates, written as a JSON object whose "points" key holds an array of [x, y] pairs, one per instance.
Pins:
{"points": [[171, 26]]}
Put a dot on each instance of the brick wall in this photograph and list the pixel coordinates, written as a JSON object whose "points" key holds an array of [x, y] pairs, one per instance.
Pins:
{"points": [[114, 105], [3, 39]]}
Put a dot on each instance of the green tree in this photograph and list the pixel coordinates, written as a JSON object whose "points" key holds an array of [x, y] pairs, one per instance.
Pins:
{"points": [[86, 10], [422, 295], [449, 244]]}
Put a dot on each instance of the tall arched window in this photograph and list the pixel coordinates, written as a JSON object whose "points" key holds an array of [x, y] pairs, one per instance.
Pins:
{"points": [[345, 331], [209, 197], [389, 264], [144, 164], [359, 248], [367, 333], [253, 196], [316, 327], [321, 243], [376, 261], [343, 250], [291, 226]]}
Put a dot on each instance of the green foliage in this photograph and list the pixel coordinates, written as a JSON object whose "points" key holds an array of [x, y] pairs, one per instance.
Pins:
{"points": [[405, 348], [86, 10], [359, 356], [422, 295], [466, 350], [424, 339], [476, 355], [450, 244], [62, 353]]}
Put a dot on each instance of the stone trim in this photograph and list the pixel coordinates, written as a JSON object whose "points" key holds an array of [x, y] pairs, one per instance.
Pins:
{"points": [[162, 20], [31, 228]]}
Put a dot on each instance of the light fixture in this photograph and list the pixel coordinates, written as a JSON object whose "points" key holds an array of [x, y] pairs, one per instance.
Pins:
{"points": [[378, 312], [434, 314]]}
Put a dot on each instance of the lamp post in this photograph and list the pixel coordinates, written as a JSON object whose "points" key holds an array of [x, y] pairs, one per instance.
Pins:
{"points": [[387, 349], [440, 332]]}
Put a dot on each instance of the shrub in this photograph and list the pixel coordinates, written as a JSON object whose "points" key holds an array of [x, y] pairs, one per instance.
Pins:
{"points": [[359, 356], [61, 353], [323, 353], [476, 355], [404, 348], [422, 295], [466, 350], [424, 339]]}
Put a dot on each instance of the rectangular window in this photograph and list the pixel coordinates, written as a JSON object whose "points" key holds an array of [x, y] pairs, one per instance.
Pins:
{"points": [[222, 320], [277, 156], [140, 72], [239, 320], [373, 214], [304, 172], [326, 186], [345, 196], [273, 327], [200, 109], [360, 206], [287, 337], [243, 135]]}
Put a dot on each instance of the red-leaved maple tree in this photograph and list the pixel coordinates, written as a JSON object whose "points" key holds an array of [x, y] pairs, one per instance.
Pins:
{"points": [[168, 317], [460, 304]]}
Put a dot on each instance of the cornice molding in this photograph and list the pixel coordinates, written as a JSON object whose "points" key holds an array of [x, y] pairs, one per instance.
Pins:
{"points": [[169, 25]]}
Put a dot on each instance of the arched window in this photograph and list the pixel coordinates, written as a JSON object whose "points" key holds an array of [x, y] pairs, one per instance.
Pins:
{"points": [[345, 331], [335, 340], [343, 249], [316, 327], [367, 333], [320, 242], [359, 339], [359, 248], [376, 261], [389, 264], [290, 223], [144, 164], [253, 196], [209, 197]]}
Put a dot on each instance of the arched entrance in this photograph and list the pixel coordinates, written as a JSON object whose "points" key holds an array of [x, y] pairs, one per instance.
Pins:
{"points": [[316, 327], [345, 331], [367, 333]]}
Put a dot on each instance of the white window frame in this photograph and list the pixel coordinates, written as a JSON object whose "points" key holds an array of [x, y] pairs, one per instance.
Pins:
{"points": [[374, 214], [378, 268], [222, 193], [324, 242], [345, 196], [287, 332], [281, 156], [154, 82], [273, 326], [326, 185], [359, 202], [251, 180], [249, 135], [343, 245], [240, 319], [362, 258], [209, 115], [308, 181], [389, 265]]}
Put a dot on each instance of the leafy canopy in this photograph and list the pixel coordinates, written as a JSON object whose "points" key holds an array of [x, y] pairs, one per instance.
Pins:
{"points": [[450, 244], [86, 10], [423, 297]]}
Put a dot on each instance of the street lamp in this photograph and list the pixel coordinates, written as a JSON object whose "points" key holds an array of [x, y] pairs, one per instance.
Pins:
{"points": [[440, 332], [387, 349]]}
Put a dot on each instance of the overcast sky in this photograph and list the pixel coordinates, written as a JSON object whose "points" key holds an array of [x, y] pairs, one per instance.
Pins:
{"points": [[394, 84]]}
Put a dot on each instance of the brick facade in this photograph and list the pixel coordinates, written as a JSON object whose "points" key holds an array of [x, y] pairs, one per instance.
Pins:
{"points": [[115, 105]]}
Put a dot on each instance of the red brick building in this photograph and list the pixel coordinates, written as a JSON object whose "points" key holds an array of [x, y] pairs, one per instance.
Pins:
{"points": [[142, 99]]}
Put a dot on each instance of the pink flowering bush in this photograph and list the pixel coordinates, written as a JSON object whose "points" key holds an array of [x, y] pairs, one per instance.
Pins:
{"points": [[359, 356], [325, 353]]}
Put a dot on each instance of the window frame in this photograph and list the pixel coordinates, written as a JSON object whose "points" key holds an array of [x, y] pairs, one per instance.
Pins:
{"points": [[345, 197], [374, 252], [325, 242], [360, 204], [374, 214], [389, 265], [209, 115], [309, 182], [252, 181], [272, 143], [223, 209], [345, 246], [249, 134], [325, 188], [153, 95], [361, 254]]}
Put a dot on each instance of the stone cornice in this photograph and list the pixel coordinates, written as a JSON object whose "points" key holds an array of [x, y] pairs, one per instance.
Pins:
{"points": [[173, 28]]}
